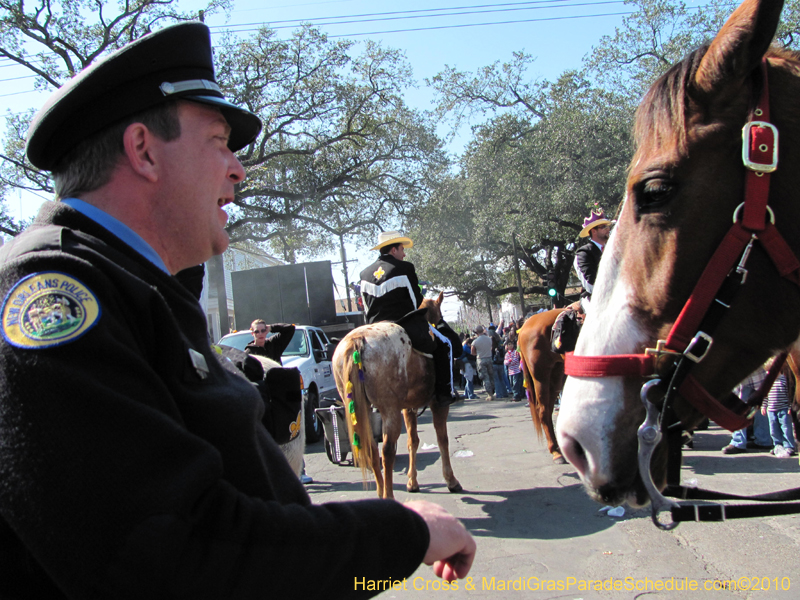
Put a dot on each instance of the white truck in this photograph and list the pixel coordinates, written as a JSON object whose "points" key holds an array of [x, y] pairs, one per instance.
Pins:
{"points": [[310, 352]]}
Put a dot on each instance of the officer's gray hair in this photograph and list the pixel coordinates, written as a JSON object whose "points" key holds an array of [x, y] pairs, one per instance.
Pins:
{"points": [[91, 163]]}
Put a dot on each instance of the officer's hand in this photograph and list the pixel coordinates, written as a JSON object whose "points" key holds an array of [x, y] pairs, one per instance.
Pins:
{"points": [[452, 548]]}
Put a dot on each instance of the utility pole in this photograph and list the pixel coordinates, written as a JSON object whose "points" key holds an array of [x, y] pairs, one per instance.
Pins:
{"points": [[344, 272], [216, 279], [518, 274], [486, 281], [343, 252]]}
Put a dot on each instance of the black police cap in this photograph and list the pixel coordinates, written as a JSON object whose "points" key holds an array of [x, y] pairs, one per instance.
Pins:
{"points": [[174, 62]]}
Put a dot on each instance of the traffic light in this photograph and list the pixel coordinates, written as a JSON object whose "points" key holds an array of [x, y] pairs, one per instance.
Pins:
{"points": [[551, 280]]}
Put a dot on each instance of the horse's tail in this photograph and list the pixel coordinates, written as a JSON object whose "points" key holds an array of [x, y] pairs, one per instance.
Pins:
{"points": [[530, 391], [357, 407], [792, 360]]}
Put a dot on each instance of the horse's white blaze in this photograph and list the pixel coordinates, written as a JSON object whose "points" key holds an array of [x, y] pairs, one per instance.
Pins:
{"points": [[590, 407]]}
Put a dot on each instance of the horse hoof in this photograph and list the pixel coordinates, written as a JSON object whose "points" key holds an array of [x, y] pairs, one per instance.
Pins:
{"points": [[412, 490], [456, 489], [559, 460]]}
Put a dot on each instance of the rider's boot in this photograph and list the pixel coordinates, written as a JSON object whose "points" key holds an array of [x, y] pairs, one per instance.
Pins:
{"points": [[443, 393]]}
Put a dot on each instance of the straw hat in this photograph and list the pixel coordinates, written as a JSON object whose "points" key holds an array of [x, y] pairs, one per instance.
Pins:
{"points": [[387, 238], [595, 219]]}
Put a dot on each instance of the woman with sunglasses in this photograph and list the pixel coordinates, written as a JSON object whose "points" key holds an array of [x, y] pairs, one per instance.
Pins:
{"points": [[274, 346]]}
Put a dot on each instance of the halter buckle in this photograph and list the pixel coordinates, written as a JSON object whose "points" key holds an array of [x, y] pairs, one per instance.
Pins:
{"points": [[767, 135], [659, 353], [695, 345]]}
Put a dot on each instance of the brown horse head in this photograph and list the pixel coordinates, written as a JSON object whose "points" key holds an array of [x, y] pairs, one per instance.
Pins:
{"points": [[434, 306], [685, 182]]}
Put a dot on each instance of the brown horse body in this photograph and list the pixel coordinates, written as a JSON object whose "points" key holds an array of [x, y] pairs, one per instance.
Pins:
{"points": [[544, 375], [684, 185], [398, 381]]}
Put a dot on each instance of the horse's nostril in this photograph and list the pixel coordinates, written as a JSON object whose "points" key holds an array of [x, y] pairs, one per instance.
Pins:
{"points": [[607, 496], [574, 453]]}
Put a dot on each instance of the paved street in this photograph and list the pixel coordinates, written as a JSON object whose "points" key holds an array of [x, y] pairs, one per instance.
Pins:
{"points": [[535, 526]]}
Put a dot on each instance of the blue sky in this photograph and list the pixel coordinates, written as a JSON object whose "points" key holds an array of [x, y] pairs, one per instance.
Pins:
{"points": [[464, 41], [468, 34]]}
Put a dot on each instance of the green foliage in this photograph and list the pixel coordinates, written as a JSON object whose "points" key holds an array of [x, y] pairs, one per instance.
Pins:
{"points": [[533, 174], [341, 155], [544, 153], [660, 33], [499, 86], [54, 40]]}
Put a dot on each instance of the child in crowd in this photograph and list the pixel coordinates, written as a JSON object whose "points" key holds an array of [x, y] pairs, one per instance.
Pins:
{"points": [[514, 371], [776, 407]]}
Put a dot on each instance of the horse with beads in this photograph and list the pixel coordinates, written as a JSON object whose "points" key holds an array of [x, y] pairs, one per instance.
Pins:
{"points": [[375, 365], [700, 281]]}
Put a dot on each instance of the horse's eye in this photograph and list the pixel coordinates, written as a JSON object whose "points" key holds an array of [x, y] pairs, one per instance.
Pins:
{"points": [[654, 194]]}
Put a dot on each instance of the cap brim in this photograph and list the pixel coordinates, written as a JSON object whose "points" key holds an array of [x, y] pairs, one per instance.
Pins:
{"points": [[245, 126]]}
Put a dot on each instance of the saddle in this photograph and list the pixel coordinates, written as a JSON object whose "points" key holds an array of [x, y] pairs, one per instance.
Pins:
{"points": [[418, 330], [566, 329]]}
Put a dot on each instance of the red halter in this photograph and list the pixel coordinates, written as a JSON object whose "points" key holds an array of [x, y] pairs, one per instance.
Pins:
{"points": [[685, 339]]}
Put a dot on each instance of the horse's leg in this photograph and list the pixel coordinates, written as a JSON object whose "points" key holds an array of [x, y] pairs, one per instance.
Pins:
{"points": [[413, 444], [391, 431], [542, 409], [556, 383], [440, 424], [376, 469]]}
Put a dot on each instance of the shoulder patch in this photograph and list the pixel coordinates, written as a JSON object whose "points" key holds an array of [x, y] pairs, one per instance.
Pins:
{"points": [[48, 309]]}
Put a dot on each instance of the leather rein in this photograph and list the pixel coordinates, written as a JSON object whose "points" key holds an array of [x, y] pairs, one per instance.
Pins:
{"points": [[668, 366]]}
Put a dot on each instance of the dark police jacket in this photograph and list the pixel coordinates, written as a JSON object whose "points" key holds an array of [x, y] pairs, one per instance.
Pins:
{"points": [[133, 463], [587, 261]]}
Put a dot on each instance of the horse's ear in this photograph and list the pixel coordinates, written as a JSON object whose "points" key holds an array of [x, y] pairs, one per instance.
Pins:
{"points": [[738, 47], [439, 298]]}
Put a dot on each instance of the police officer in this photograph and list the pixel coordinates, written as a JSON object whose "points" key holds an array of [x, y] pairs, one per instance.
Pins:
{"points": [[390, 290], [587, 257], [132, 460]]}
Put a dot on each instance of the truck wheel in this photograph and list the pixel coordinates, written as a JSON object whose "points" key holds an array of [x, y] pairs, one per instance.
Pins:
{"points": [[313, 424]]}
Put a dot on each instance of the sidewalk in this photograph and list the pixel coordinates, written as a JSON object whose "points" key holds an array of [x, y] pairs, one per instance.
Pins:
{"points": [[533, 521]]}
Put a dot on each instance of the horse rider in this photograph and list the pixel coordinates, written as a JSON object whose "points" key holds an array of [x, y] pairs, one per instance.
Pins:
{"points": [[390, 290], [134, 463], [587, 257]]}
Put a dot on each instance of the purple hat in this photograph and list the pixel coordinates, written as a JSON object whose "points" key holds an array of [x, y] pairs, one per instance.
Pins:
{"points": [[595, 219]]}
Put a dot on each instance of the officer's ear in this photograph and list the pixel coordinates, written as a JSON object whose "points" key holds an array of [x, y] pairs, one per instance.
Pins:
{"points": [[137, 141]]}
